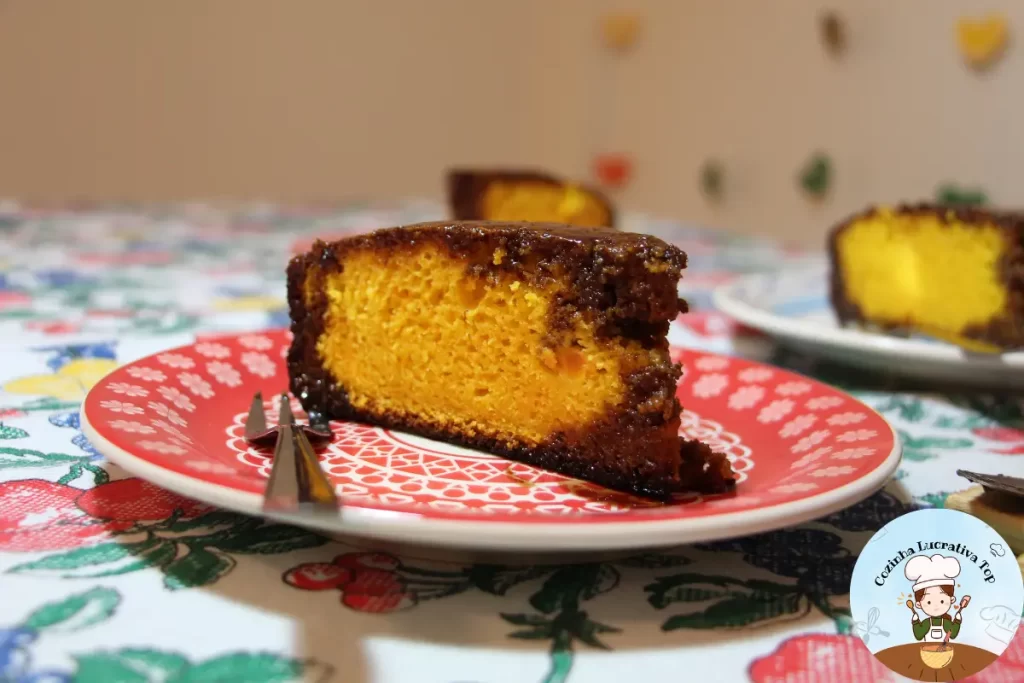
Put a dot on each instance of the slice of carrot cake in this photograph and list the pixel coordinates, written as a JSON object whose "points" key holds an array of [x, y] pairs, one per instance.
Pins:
{"points": [[525, 196], [954, 273], [541, 343]]}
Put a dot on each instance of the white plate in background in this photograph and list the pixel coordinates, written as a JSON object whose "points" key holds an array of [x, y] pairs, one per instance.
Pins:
{"points": [[792, 306]]}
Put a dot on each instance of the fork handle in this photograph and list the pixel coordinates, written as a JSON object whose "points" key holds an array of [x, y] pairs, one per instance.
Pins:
{"points": [[296, 480], [283, 488], [314, 486]]}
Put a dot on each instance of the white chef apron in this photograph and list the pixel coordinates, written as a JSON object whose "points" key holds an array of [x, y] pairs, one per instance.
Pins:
{"points": [[935, 634]]}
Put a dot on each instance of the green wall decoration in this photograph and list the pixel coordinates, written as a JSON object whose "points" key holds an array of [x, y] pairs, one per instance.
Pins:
{"points": [[816, 176], [953, 195], [833, 32], [712, 179]]}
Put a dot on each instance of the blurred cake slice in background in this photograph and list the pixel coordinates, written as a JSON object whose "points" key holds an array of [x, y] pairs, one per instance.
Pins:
{"points": [[952, 273], [521, 195]]}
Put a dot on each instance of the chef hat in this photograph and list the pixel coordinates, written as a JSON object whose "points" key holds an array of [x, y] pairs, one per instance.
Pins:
{"points": [[936, 570]]}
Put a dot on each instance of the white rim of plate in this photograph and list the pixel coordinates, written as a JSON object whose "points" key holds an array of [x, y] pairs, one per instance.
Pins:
{"points": [[464, 534], [727, 300]]}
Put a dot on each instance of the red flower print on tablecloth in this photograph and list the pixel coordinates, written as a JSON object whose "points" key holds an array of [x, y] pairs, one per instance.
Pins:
{"points": [[1009, 668], [139, 258], [10, 299], [1007, 435], [369, 582], [135, 500], [820, 658], [52, 327], [40, 515]]}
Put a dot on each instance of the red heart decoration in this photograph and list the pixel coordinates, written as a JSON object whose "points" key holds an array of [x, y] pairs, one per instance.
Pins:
{"points": [[613, 170]]}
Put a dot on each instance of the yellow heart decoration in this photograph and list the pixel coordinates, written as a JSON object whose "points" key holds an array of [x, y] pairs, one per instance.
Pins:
{"points": [[620, 31], [982, 41]]}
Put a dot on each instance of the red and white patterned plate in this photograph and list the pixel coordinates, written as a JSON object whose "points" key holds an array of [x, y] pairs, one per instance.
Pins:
{"points": [[802, 450]]}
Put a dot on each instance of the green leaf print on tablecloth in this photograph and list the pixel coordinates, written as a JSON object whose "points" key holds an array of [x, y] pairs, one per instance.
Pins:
{"points": [[381, 583], [734, 602], [816, 560], [907, 408], [562, 621], [185, 561], [152, 666], [955, 413], [199, 567], [1004, 409], [8, 432], [104, 559], [128, 666], [75, 612], [27, 457], [47, 404], [133, 664], [922, 448], [498, 580]]}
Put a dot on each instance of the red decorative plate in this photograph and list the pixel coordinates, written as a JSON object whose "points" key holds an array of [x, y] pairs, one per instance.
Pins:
{"points": [[802, 450]]}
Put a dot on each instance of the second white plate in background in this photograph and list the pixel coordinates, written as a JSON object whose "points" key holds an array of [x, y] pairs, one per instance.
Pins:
{"points": [[792, 306]]}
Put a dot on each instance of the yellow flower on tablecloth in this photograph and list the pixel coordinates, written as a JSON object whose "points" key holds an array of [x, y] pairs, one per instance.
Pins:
{"points": [[249, 303], [70, 383]]}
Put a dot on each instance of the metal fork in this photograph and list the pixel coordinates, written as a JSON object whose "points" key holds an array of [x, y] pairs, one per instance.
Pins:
{"points": [[297, 482]]}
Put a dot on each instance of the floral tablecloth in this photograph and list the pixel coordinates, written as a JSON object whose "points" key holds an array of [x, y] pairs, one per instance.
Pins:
{"points": [[105, 578]]}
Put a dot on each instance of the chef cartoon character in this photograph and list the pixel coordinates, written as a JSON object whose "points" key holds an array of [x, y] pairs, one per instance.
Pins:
{"points": [[934, 581]]}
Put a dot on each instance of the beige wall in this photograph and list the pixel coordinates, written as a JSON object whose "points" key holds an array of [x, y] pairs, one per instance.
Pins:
{"points": [[267, 98], [322, 99], [749, 81]]}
